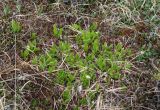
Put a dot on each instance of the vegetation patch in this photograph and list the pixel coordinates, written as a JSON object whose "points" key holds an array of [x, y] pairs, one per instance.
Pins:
{"points": [[79, 55]]}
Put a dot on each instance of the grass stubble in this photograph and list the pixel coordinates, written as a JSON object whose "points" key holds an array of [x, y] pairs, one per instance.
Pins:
{"points": [[133, 23]]}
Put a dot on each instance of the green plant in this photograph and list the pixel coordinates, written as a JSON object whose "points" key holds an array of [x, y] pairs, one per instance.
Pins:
{"points": [[25, 54], [33, 36], [15, 26], [30, 48], [73, 59], [65, 78], [90, 58], [101, 63], [66, 95], [87, 38], [86, 78], [95, 46], [114, 71], [93, 27], [111, 58], [76, 108], [64, 47], [76, 27], [45, 62], [82, 66], [57, 32], [115, 57], [83, 101], [53, 51]]}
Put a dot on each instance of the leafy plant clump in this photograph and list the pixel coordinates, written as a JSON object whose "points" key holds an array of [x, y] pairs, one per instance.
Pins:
{"points": [[15, 26], [79, 68], [31, 47]]}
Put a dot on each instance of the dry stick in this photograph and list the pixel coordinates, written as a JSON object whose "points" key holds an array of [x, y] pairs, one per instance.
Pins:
{"points": [[154, 66], [15, 85], [99, 103], [1, 103]]}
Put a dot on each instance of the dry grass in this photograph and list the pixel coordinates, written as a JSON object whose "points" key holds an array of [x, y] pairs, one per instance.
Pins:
{"points": [[134, 23]]}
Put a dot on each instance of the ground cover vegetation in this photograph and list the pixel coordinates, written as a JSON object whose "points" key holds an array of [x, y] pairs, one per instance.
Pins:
{"points": [[79, 54]]}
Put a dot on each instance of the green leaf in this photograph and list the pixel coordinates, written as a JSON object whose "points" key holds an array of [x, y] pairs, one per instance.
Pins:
{"points": [[64, 47], [32, 46], [70, 79], [60, 32], [66, 95], [61, 77], [76, 26], [42, 62], [35, 60], [53, 50], [101, 63], [115, 76], [114, 71], [95, 45], [90, 57], [25, 54], [56, 31], [33, 35], [71, 59], [86, 47], [51, 69], [15, 26], [93, 27], [119, 47], [85, 79], [83, 101]]}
